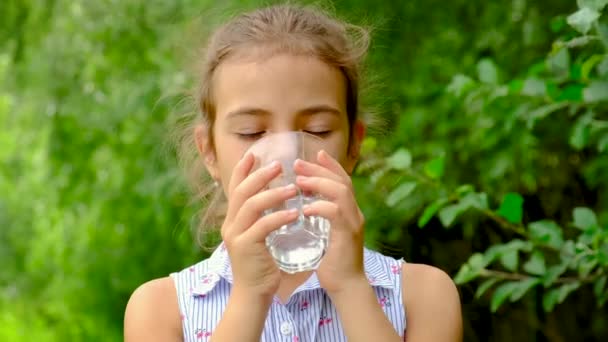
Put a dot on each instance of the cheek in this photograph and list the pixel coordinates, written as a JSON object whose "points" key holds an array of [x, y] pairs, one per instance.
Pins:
{"points": [[337, 147], [228, 152]]}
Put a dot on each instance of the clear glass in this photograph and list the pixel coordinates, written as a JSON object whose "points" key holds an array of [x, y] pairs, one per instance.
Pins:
{"points": [[298, 246]]}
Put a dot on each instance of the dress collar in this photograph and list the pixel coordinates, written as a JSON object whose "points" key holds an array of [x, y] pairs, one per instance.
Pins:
{"points": [[379, 272]]}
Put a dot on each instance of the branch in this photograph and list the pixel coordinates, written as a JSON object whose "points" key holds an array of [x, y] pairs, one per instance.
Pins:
{"points": [[486, 273], [518, 229]]}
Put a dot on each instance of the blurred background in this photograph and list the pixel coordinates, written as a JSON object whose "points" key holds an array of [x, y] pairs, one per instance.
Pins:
{"points": [[493, 164]]}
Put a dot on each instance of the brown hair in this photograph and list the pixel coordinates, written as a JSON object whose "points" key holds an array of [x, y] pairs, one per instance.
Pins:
{"points": [[287, 28]]}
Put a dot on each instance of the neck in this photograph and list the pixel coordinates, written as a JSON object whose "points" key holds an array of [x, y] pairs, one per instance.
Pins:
{"points": [[289, 283]]}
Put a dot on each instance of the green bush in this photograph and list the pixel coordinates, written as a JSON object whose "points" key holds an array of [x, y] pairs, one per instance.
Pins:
{"points": [[543, 135]]}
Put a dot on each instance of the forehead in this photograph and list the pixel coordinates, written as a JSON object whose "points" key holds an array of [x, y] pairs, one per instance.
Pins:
{"points": [[279, 84]]}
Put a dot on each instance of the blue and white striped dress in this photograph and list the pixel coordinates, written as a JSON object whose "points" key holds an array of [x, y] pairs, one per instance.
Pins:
{"points": [[309, 315]]}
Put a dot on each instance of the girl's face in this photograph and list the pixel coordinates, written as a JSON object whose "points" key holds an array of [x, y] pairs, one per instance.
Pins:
{"points": [[278, 94]]}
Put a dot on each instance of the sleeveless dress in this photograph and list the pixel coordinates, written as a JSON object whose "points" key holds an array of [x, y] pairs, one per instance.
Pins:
{"points": [[309, 315]]}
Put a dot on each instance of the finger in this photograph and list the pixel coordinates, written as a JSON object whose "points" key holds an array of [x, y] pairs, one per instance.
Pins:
{"points": [[305, 168], [254, 207], [326, 160], [251, 185], [241, 171], [326, 209], [269, 223], [327, 188], [338, 217]]}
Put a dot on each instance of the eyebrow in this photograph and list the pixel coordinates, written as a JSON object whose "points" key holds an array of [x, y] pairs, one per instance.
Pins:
{"points": [[311, 110]]}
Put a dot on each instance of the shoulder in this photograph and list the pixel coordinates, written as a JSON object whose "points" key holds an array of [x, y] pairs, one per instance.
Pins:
{"points": [[152, 313], [431, 300]]}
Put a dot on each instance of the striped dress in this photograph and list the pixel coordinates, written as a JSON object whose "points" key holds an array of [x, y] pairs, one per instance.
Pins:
{"points": [[309, 315]]}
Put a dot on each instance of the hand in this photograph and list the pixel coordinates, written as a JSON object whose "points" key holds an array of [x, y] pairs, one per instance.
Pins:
{"points": [[342, 264], [245, 229]]}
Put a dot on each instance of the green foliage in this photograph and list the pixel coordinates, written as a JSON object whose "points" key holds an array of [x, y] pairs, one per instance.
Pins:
{"points": [[89, 208], [585, 254], [530, 134], [511, 207]]}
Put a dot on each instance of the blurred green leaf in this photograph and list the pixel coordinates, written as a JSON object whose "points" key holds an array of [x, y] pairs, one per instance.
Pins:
{"points": [[581, 132], [501, 294], [576, 72], [596, 91], [476, 200], [578, 42], [520, 245], [368, 146], [558, 295], [584, 218], [571, 93], [477, 261], [516, 86], [602, 299], [511, 248], [487, 71], [464, 189], [448, 214], [493, 253], [522, 288], [566, 289], [430, 211], [558, 23], [400, 193], [599, 285], [460, 85], [536, 264], [485, 286], [434, 168], [541, 112], [465, 274], [400, 160], [559, 62], [511, 207], [583, 19], [596, 5], [554, 272], [602, 144], [534, 87], [589, 64], [510, 260], [586, 265], [550, 299], [546, 232], [567, 251]]}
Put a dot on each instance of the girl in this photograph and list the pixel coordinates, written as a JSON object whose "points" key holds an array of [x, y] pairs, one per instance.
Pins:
{"points": [[288, 68]]}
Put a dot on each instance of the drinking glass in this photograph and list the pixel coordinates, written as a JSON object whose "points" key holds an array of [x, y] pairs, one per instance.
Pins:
{"points": [[300, 245]]}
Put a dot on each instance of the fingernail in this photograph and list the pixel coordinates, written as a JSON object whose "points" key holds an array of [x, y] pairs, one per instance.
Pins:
{"points": [[290, 188], [304, 179], [274, 165], [292, 212], [307, 210]]}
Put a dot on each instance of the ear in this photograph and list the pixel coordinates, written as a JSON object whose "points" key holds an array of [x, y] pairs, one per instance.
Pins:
{"points": [[357, 137], [206, 150]]}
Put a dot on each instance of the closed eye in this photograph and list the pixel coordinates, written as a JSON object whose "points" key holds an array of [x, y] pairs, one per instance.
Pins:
{"points": [[320, 133], [251, 136]]}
